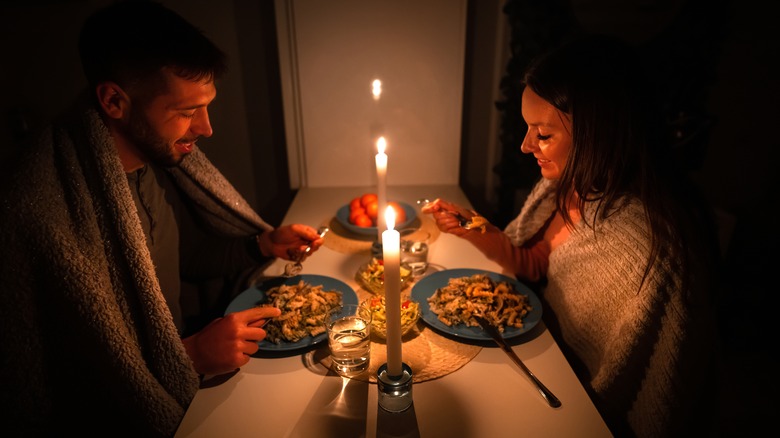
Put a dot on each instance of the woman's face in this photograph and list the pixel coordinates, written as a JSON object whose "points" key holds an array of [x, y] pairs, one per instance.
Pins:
{"points": [[549, 134]]}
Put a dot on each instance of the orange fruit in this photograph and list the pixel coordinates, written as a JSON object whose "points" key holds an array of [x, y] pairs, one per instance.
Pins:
{"points": [[372, 209], [367, 198], [355, 203], [362, 220], [354, 213], [400, 213]]}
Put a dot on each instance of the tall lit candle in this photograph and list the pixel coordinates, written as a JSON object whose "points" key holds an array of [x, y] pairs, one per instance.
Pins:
{"points": [[381, 186], [391, 253], [376, 89], [376, 116]]}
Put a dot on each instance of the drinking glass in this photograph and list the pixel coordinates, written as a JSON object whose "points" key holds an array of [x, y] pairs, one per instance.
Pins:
{"points": [[349, 332], [414, 251]]}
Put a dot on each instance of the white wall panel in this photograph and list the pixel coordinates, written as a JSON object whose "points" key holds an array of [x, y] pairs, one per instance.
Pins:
{"points": [[331, 51]]}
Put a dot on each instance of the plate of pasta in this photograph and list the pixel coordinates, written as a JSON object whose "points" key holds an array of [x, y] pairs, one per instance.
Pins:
{"points": [[305, 301], [449, 299]]}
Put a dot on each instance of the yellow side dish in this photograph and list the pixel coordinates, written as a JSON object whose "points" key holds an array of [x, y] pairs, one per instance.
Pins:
{"points": [[410, 313], [372, 276]]}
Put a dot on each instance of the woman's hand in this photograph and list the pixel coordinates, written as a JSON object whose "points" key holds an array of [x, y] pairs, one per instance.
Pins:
{"points": [[227, 343], [446, 216], [289, 241]]}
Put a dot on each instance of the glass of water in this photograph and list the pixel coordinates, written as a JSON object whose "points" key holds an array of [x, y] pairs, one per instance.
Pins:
{"points": [[349, 332], [414, 251]]}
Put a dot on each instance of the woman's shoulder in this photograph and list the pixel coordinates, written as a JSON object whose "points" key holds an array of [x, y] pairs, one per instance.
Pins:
{"points": [[627, 214], [623, 233]]}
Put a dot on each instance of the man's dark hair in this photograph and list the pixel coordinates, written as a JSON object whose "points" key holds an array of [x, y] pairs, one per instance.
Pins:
{"points": [[131, 42]]}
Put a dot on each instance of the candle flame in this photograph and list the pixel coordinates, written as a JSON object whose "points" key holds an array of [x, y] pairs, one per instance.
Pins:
{"points": [[390, 217], [381, 144], [376, 88]]}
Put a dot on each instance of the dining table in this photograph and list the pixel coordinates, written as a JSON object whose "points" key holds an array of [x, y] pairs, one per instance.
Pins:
{"points": [[461, 387]]}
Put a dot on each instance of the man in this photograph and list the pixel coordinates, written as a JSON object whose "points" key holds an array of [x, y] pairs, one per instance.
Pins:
{"points": [[113, 225]]}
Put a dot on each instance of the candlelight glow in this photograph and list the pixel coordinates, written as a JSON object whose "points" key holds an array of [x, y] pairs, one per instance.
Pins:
{"points": [[376, 88], [391, 256], [390, 217], [381, 144]]}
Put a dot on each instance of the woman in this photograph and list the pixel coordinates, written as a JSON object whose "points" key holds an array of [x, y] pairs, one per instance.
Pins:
{"points": [[610, 237]]}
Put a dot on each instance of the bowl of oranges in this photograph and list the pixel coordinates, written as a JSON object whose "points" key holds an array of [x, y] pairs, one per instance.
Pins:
{"points": [[360, 215]]}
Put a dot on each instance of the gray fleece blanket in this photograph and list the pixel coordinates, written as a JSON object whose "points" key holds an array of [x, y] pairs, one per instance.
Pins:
{"points": [[88, 342], [645, 354]]}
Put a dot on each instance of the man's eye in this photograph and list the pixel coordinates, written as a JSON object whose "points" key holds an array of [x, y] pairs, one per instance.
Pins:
{"points": [[188, 115]]}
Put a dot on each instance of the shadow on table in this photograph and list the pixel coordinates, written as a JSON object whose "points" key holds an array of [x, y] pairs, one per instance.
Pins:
{"points": [[338, 408], [397, 425]]}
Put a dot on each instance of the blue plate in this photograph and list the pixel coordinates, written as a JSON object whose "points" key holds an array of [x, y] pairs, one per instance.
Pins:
{"points": [[256, 295], [427, 286], [342, 215]]}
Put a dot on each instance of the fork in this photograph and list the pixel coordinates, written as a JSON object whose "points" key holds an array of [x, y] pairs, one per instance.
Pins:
{"points": [[294, 268], [462, 221]]}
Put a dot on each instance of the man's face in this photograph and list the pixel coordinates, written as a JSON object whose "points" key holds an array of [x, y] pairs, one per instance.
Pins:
{"points": [[165, 128]]}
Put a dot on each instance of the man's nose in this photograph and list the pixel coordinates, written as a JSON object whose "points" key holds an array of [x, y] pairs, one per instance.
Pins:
{"points": [[201, 126]]}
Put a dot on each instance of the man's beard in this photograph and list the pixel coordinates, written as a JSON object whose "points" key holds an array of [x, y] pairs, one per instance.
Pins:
{"points": [[154, 149]]}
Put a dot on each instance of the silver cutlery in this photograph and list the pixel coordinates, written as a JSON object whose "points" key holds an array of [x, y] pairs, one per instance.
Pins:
{"points": [[294, 268], [462, 221], [551, 399]]}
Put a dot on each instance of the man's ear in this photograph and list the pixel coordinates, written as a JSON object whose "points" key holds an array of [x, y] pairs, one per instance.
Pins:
{"points": [[113, 99]]}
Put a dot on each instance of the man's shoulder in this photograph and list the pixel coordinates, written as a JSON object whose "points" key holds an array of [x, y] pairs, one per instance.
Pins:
{"points": [[30, 177]]}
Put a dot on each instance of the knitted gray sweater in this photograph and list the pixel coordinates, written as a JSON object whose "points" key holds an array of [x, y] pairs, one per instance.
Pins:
{"points": [[642, 352], [88, 342]]}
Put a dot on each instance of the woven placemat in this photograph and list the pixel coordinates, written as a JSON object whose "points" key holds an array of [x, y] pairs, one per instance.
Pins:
{"points": [[429, 354], [342, 240]]}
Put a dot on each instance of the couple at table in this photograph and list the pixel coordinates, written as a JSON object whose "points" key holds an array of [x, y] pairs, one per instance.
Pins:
{"points": [[113, 213]]}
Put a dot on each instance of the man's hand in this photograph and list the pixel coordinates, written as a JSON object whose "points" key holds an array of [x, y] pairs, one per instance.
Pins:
{"points": [[289, 241], [226, 343]]}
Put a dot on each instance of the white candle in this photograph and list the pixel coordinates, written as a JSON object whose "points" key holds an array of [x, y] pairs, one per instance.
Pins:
{"points": [[381, 186], [391, 253], [376, 89], [375, 126]]}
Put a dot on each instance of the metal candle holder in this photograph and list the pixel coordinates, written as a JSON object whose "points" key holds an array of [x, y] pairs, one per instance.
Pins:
{"points": [[395, 392], [376, 250]]}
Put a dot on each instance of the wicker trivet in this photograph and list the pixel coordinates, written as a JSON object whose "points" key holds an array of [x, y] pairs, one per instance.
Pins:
{"points": [[429, 354]]}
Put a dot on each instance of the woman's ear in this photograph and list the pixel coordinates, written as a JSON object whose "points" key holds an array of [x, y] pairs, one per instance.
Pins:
{"points": [[112, 99]]}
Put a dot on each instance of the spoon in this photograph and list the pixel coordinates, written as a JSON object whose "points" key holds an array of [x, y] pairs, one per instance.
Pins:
{"points": [[293, 268], [462, 221]]}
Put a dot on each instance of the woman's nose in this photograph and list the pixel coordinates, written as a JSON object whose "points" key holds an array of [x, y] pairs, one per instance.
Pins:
{"points": [[528, 145]]}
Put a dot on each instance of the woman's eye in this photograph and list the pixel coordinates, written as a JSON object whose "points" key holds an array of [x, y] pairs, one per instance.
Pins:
{"points": [[543, 137]]}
